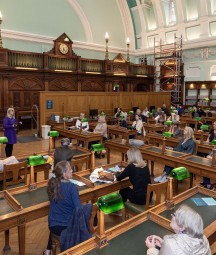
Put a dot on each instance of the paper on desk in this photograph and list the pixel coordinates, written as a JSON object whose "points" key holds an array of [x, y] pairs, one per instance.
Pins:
{"points": [[205, 201], [94, 177], [78, 183]]}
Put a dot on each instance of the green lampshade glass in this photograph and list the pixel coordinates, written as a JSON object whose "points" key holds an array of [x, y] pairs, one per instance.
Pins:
{"points": [[131, 128], [168, 122], [110, 203], [121, 116], [213, 142], [84, 120], [53, 133], [150, 114], [103, 114], [180, 173], [35, 160], [167, 134], [198, 118], [98, 147], [131, 112], [3, 139], [204, 127]]}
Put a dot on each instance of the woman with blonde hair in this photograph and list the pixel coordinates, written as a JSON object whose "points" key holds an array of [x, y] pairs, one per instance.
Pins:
{"points": [[188, 238], [186, 145], [139, 176], [9, 126]]}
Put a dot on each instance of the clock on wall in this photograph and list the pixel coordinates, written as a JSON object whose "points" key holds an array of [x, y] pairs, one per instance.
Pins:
{"points": [[63, 48]]}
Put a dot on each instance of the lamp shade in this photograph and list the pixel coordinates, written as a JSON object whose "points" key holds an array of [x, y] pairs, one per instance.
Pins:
{"points": [[213, 142], [35, 160], [204, 127], [180, 173], [110, 203], [98, 147], [84, 120], [103, 114], [3, 139], [168, 122], [198, 118], [53, 133], [131, 127], [167, 134]]}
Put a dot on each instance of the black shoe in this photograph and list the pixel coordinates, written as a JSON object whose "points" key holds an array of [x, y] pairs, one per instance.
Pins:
{"points": [[210, 187]]}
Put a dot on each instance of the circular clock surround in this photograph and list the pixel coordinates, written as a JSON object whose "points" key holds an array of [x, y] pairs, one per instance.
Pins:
{"points": [[63, 48]]}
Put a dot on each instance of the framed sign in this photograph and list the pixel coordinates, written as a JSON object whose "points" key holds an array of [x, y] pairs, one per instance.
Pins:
{"points": [[49, 104]]}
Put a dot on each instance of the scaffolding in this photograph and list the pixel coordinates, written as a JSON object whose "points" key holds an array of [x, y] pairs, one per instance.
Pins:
{"points": [[168, 74]]}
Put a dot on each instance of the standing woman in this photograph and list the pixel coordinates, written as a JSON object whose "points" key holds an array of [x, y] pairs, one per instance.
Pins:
{"points": [[9, 126], [139, 176]]}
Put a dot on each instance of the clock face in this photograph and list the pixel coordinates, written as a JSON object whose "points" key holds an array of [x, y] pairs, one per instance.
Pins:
{"points": [[63, 48]]}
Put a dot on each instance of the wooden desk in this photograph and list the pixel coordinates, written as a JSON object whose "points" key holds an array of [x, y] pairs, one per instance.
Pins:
{"points": [[155, 139], [19, 206], [129, 237], [121, 131], [153, 127], [79, 153], [196, 165], [84, 136]]}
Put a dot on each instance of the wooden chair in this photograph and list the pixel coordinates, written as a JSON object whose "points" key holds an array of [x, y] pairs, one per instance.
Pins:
{"points": [[93, 230], [192, 176], [11, 179], [77, 164], [12, 173], [158, 190]]}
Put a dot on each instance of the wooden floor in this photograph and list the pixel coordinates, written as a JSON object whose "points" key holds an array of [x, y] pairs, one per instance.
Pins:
{"points": [[37, 231]]}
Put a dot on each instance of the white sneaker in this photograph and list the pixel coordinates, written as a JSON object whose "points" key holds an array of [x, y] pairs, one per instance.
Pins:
{"points": [[164, 179], [158, 179]]}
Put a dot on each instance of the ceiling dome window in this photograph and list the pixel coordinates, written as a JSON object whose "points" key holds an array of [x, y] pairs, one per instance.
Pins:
{"points": [[213, 7], [169, 9], [192, 9]]}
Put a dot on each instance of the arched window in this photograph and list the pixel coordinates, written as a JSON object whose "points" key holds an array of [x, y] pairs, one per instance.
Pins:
{"points": [[169, 10], [213, 7]]}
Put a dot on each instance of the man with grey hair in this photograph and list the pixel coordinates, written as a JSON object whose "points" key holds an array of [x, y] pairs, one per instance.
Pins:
{"points": [[63, 152]]}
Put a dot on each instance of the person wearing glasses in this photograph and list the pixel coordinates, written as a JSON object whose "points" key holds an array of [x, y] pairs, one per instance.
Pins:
{"points": [[188, 239], [9, 126]]}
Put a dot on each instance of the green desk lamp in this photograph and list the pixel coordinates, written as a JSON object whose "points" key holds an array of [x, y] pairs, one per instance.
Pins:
{"points": [[204, 127], [52, 135], [180, 173], [167, 134], [110, 203], [3, 139], [168, 122]]}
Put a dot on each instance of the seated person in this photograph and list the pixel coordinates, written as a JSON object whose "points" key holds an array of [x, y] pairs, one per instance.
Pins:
{"points": [[64, 152], [101, 127], [175, 130], [186, 145], [64, 199], [158, 112], [85, 125], [139, 176], [174, 117], [120, 113], [188, 239], [161, 118], [206, 181], [165, 109], [138, 124], [145, 114], [179, 109]]}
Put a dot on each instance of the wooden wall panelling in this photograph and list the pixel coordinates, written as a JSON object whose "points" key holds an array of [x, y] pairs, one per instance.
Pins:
{"points": [[112, 102], [76, 102]]}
